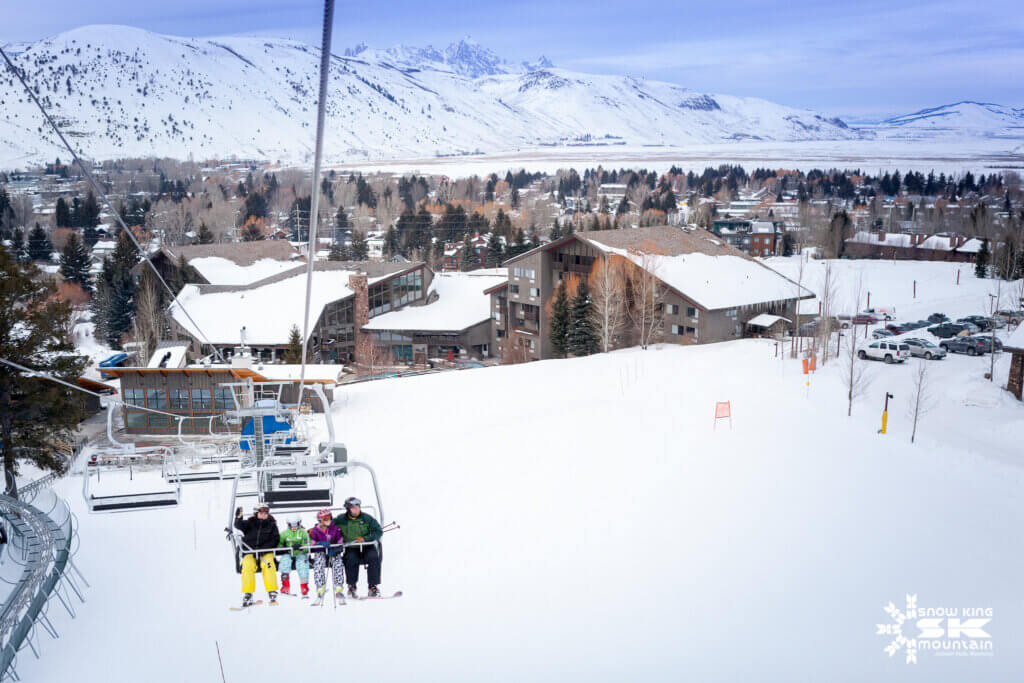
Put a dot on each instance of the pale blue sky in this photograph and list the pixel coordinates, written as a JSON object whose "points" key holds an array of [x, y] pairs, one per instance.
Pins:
{"points": [[856, 58]]}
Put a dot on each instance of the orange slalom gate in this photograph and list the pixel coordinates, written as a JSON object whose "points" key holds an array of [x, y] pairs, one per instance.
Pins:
{"points": [[723, 410]]}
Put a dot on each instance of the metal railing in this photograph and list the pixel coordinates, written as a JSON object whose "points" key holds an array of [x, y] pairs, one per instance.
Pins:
{"points": [[42, 535]]}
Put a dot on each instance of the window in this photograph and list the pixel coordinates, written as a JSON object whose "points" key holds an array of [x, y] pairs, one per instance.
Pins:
{"points": [[134, 419], [134, 397], [678, 329], [691, 330], [161, 421], [731, 313], [497, 316], [499, 333], [529, 273], [201, 399], [514, 288], [531, 344], [672, 309], [179, 399], [691, 312], [534, 291], [223, 399], [156, 399]]}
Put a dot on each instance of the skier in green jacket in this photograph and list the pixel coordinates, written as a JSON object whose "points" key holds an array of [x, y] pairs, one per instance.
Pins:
{"points": [[296, 539], [358, 527]]}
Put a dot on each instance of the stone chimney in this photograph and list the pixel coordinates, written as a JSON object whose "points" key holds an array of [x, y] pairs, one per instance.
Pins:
{"points": [[361, 316]]}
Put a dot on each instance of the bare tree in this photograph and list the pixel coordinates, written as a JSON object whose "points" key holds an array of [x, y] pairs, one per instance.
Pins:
{"points": [[148, 324], [646, 292], [796, 307], [853, 372], [827, 296], [920, 399], [607, 292]]}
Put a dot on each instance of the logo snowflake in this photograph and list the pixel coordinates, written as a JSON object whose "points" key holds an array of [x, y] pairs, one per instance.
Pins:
{"points": [[895, 629]]}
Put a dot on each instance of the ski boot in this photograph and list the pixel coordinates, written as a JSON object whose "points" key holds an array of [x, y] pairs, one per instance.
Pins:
{"points": [[246, 599], [273, 597], [374, 592], [339, 596], [319, 596], [285, 584], [305, 591], [352, 592]]}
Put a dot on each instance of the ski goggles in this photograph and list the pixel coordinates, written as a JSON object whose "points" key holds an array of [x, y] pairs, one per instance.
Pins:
{"points": [[353, 503], [263, 508]]}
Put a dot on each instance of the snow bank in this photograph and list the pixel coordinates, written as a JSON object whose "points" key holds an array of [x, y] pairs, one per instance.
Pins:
{"points": [[222, 271]]}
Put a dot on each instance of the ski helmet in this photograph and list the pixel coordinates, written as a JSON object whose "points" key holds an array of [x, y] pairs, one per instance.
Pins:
{"points": [[262, 507], [352, 502], [294, 520], [324, 515]]}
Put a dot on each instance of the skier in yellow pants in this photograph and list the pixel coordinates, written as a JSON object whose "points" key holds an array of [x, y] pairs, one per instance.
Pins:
{"points": [[259, 532]]}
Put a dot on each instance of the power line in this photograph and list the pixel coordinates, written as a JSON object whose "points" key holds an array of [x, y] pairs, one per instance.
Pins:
{"points": [[103, 196]]}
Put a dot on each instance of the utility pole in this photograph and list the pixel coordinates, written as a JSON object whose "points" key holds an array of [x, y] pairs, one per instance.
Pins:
{"points": [[993, 301]]}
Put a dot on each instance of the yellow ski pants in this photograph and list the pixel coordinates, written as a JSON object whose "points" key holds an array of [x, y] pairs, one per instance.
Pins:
{"points": [[266, 567]]}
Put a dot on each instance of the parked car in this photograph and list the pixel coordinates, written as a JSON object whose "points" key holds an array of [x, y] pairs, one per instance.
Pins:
{"points": [[864, 319], [985, 341], [889, 351], [842, 322], [881, 334], [1011, 316], [809, 328], [879, 313], [982, 323], [922, 324], [897, 329], [969, 345], [922, 348], [936, 318], [946, 330]]}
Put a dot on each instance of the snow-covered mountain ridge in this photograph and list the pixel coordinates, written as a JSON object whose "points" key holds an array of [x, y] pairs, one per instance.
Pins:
{"points": [[959, 118], [120, 91]]}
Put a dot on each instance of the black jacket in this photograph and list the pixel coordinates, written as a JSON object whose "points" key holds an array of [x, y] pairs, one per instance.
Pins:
{"points": [[259, 534]]}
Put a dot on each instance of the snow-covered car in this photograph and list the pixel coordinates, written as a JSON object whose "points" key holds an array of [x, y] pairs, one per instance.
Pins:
{"points": [[922, 348], [888, 351], [882, 334]]}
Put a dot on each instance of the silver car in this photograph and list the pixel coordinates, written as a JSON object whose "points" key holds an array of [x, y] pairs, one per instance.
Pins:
{"points": [[922, 348]]}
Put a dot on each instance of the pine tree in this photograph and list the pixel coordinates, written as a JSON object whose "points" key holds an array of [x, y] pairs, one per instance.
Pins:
{"points": [[495, 251], [35, 411], [62, 215], [981, 260], [39, 247], [468, 260], [556, 231], [18, 245], [205, 234], [338, 252], [293, 353], [560, 320], [342, 226], [74, 262], [391, 246], [581, 339], [358, 247]]}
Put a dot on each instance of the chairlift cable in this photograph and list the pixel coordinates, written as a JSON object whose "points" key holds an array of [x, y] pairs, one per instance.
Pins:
{"points": [[106, 200], [325, 65]]}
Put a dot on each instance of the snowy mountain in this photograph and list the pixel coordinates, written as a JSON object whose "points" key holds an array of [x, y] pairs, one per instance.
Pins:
{"points": [[961, 118], [121, 91]]}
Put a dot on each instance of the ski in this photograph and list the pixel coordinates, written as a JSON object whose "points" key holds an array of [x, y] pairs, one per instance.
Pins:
{"points": [[245, 607], [396, 594]]}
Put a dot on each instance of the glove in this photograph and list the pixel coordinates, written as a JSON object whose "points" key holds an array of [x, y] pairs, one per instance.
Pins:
{"points": [[324, 544], [297, 545], [333, 552], [238, 512]]}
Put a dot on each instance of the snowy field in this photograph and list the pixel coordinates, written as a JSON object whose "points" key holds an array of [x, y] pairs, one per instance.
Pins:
{"points": [[870, 155], [580, 520]]}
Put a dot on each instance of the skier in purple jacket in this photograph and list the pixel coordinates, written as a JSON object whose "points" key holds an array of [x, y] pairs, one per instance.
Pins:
{"points": [[322, 537]]}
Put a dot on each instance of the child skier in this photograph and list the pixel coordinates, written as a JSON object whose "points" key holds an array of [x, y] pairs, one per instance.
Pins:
{"points": [[259, 532], [295, 538], [325, 534]]}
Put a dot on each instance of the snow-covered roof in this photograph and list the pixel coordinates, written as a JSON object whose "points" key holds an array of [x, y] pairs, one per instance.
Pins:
{"points": [[762, 227], [222, 271], [888, 239], [461, 303], [1016, 339], [936, 242], [766, 320], [267, 311], [288, 372], [971, 246], [176, 358]]}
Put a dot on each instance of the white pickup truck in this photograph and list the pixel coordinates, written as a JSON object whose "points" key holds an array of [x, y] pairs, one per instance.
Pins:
{"points": [[889, 351]]}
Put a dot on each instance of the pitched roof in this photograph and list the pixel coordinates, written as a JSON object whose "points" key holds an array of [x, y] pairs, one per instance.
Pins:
{"points": [[239, 253], [462, 301]]}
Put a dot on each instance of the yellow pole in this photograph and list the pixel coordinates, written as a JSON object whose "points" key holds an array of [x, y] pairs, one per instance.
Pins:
{"points": [[885, 420]]}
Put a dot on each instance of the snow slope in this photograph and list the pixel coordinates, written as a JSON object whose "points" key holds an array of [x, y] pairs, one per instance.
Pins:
{"points": [[982, 119], [579, 520], [121, 91]]}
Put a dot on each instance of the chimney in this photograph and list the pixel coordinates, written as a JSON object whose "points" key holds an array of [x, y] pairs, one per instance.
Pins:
{"points": [[881, 236], [357, 282]]}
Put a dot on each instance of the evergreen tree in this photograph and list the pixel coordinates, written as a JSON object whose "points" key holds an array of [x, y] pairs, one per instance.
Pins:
{"points": [[338, 252], [391, 244], [18, 245], [468, 260], [205, 234], [358, 247], [981, 260], [495, 251], [121, 294], [39, 247], [298, 219], [582, 338], [90, 212], [36, 411], [560, 320], [342, 225], [293, 352], [62, 215], [556, 231], [74, 262]]}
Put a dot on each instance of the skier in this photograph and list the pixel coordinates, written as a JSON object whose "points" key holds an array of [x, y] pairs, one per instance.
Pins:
{"points": [[259, 532], [295, 538], [324, 534], [358, 527]]}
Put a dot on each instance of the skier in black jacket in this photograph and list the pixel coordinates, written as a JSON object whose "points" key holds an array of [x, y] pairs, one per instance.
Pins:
{"points": [[259, 533]]}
